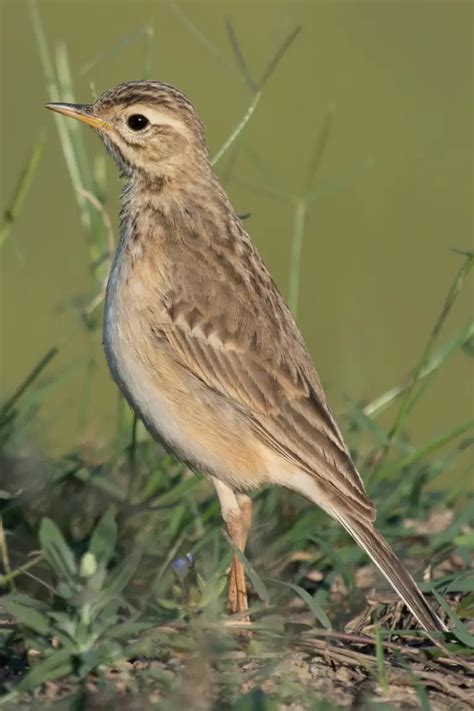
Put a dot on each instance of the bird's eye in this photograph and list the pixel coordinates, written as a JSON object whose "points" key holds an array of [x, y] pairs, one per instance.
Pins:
{"points": [[137, 122]]}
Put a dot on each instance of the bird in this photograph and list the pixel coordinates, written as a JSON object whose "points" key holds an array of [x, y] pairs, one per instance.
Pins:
{"points": [[203, 346]]}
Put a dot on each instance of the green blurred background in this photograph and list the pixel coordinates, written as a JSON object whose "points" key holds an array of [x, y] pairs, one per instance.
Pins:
{"points": [[396, 183]]}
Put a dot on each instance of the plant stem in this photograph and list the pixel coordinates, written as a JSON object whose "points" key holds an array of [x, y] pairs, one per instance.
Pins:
{"points": [[295, 256], [411, 391], [8, 405]]}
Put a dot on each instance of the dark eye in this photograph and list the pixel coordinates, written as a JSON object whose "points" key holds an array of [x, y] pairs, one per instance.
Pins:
{"points": [[137, 122]]}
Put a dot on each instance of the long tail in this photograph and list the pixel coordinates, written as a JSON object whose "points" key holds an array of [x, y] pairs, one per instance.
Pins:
{"points": [[374, 544]]}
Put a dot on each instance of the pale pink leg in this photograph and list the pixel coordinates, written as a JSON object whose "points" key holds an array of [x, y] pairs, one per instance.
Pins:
{"points": [[237, 513]]}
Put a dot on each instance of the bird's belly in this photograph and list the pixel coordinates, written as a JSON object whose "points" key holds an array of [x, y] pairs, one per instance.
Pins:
{"points": [[134, 361], [190, 420]]}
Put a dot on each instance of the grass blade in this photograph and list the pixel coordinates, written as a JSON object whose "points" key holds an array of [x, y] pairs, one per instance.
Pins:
{"points": [[22, 187], [312, 603], [381, 672], [75, 134], [30, 378], [459, 630], [438, 358], [197, 34], [301, 209], [147, 50], [114, 49], [239, 57], [45, 57], [237, 130], [318, 151], [447, 306], [278, 55], [256, 580], [54, 94], [427, 449]]}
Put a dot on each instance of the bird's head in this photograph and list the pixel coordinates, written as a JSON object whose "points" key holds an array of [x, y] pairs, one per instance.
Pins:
{"points": [[151, 129]]}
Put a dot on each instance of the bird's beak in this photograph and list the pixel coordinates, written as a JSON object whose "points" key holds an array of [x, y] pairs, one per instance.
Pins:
{"points": [[81, 112]]}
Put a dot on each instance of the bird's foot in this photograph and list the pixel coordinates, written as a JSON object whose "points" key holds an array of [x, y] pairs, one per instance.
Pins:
{"points": [[237, 602]]}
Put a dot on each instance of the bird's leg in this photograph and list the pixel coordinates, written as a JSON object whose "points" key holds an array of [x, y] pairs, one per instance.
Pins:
{"points": [[237, 593], [237, 513]]}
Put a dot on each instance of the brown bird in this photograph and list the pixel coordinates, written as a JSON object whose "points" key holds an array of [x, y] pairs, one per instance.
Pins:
{"points": [[201, 343]]}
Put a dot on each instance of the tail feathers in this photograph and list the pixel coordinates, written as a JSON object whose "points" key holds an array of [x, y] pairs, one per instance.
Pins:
{"points": [[377, 548]]}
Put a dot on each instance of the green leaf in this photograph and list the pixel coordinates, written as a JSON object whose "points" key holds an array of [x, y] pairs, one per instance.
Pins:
{"points": [[57, 551], [102, 654], [167, 604], [117, 580], [177, 493], [212, 590], [127, 630], [104, 539], [468, 346], [22, 599], [312, 603], [459, 630], [84, 636], [109, 612], [466, 539], [466, 606], [56, 666], [257, 700], [453, 583], [422, 694], [335, 560], [447, 536], [65, 623], [65, 591], [26, 615], [67, 643]]}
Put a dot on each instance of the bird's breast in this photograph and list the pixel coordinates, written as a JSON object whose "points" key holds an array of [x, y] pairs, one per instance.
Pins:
{"points": [[133, 289]]}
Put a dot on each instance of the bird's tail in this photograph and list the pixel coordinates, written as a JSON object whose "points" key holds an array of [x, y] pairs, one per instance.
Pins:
{"points": [[377, 548]]}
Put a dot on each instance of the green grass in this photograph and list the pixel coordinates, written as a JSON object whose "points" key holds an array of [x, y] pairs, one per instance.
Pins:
{"points": [[114, 558], [20, 192]]}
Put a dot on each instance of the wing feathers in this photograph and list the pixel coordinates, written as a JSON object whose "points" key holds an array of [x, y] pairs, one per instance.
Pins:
{"points": [[278, 397], [229, 327]]}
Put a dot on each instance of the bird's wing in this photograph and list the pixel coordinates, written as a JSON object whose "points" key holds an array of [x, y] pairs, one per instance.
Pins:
{"points": [[251, 353]]}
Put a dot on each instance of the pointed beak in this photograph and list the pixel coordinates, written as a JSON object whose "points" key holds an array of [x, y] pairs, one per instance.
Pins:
{"points": [[81, 112]]}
